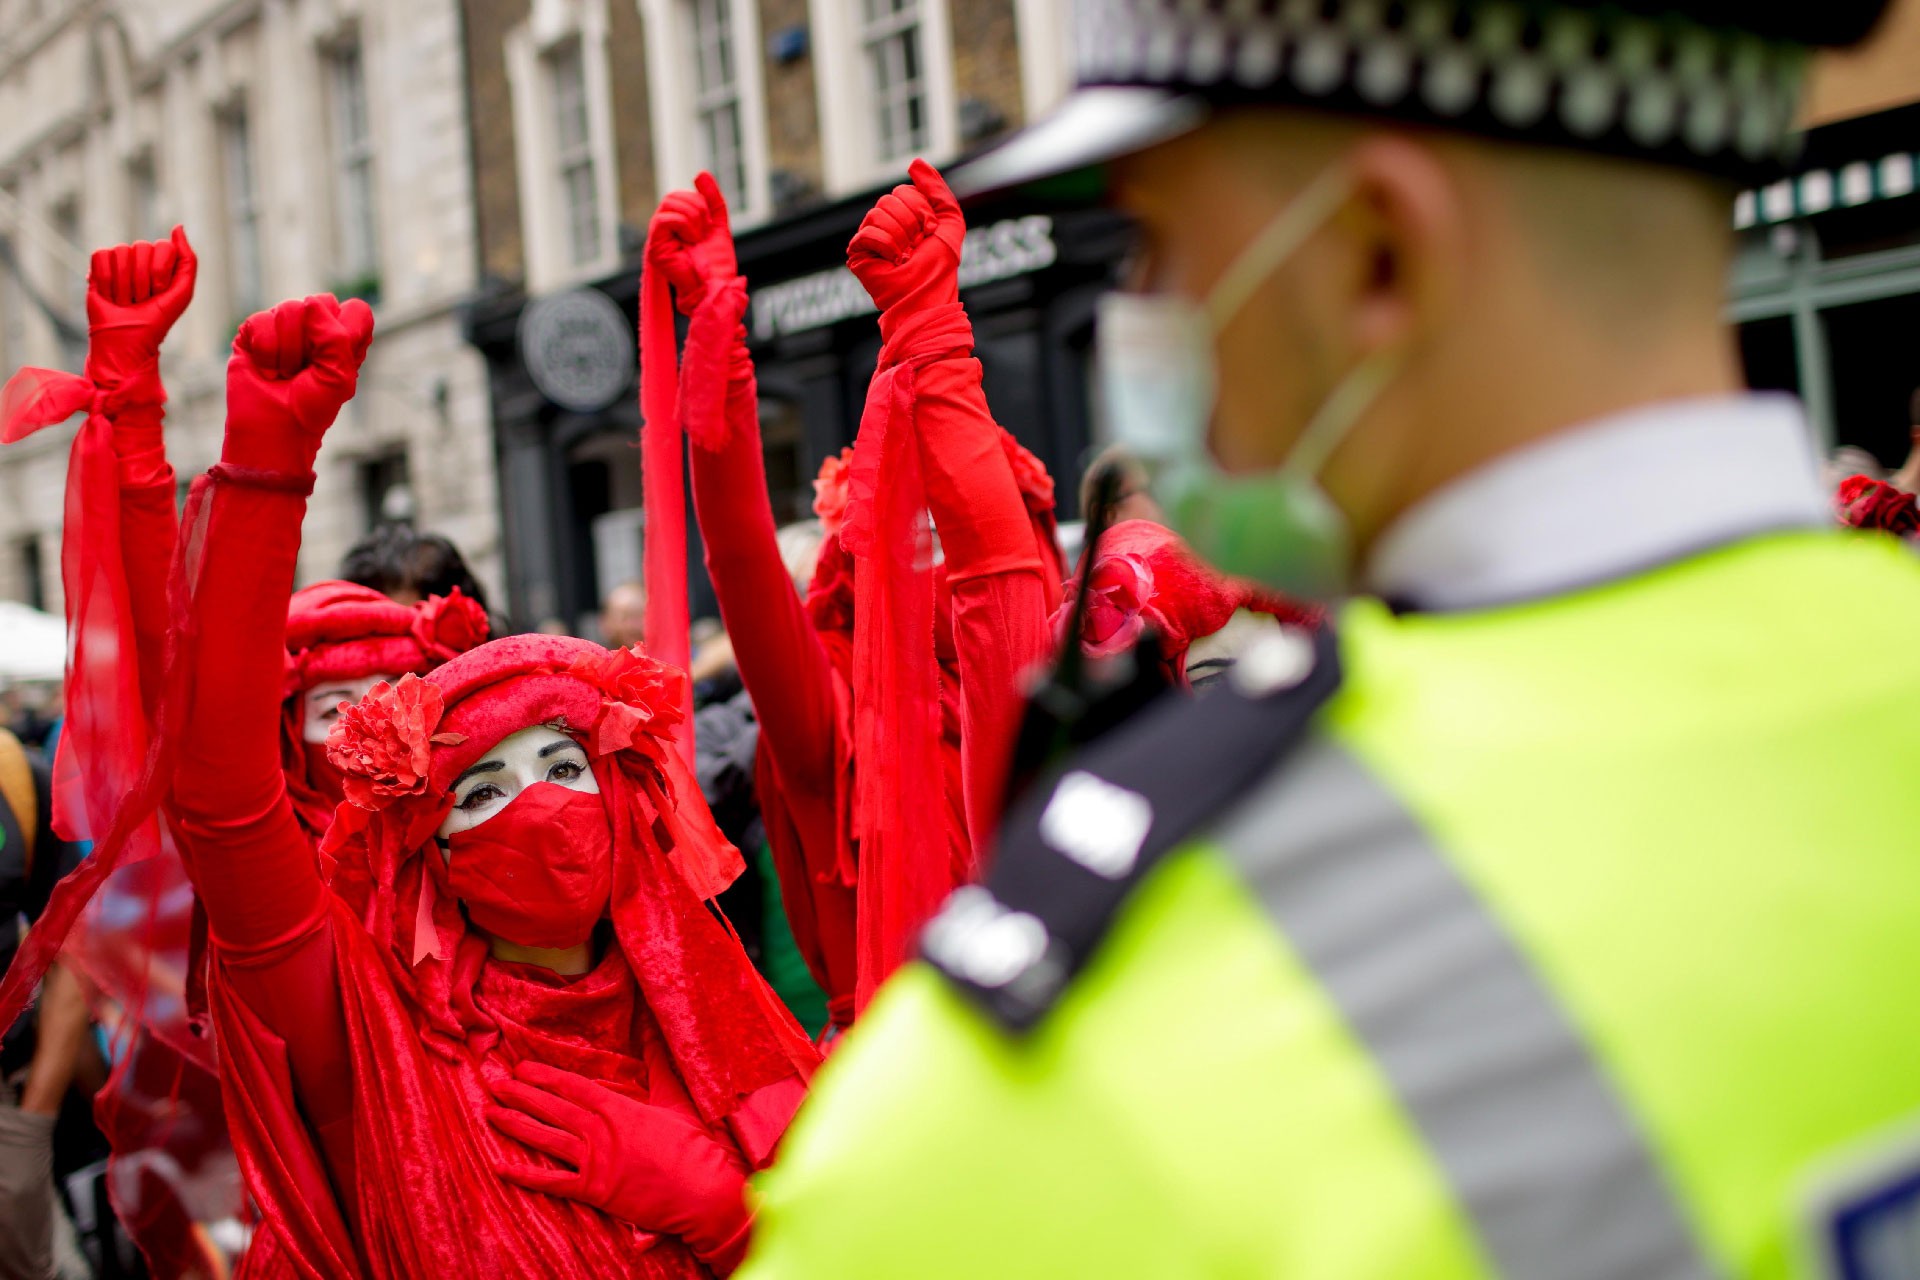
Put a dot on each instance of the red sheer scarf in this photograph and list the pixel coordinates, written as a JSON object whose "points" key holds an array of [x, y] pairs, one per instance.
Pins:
{"points": [[663, 479], [897, 713]]}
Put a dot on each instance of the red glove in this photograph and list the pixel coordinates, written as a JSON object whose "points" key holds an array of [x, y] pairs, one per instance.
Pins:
{"points": [[135, 292], [646, 1165], [907, 251], [692, 241], [292, 369]]}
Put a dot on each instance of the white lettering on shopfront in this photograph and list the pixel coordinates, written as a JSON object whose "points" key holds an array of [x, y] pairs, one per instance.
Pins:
{"points": [[1014, 247]]}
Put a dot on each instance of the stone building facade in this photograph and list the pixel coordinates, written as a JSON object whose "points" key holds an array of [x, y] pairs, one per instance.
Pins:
{"points": [[805, 110], [307, 146]]}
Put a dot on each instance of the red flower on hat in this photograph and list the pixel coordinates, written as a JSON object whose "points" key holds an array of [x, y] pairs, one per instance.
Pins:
{"points": [[1036, 484], [830, 491], [1866, 503], [451, 624], [1117, 602], [384, 743], [640, 699]]}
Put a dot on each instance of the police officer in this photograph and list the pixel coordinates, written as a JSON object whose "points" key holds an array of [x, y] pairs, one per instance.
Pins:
{"points": [[1560, 918]]}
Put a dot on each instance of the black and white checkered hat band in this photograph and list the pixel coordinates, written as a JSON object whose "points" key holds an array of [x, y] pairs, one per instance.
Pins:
{"points": [[1598, 78]]}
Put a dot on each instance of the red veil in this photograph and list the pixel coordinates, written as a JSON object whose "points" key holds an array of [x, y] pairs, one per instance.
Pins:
{"points": [[672, 1015]]}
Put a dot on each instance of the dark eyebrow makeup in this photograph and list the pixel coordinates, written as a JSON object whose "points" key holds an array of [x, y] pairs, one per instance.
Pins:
{"points": [[485, 766]]}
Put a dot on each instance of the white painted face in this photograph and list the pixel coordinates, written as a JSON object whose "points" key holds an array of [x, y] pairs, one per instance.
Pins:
{"points": [[320, 705], [515, 763], [1211, 657]]}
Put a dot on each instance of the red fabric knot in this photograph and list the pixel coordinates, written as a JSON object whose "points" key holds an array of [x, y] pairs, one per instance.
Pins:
{"points": [[446, 626], [260, 478]]}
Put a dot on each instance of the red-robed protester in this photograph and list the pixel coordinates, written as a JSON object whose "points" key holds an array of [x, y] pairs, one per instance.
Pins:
{"points": [[342, 639], [508, 919], [1144, 576], [887, 704]]}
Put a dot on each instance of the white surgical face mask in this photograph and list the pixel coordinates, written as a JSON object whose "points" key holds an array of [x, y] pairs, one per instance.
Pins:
{"points": [[1160, 379]]}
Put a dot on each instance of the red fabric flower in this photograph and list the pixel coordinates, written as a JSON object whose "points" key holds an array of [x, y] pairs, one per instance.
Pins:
{"points": [[830, 491], [1036, 484], [384, 743], [451, 624], [1117, 602], [830, 595], [1865, 503], [640, 700]]}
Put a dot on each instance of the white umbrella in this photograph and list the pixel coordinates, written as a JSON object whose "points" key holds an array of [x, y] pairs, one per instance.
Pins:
{"points": [[33, 645]]}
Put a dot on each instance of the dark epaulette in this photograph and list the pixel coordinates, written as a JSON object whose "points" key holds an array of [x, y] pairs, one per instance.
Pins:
{"points": [[1072, 850]]}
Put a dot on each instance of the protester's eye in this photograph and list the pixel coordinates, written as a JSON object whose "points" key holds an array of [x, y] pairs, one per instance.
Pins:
{"points": [[482, 795], [565, 771]]}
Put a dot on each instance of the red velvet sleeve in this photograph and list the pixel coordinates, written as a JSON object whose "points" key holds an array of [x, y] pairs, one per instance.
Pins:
{"points": [[781, 659], [251, 864], [993, 567], [789, 677]]}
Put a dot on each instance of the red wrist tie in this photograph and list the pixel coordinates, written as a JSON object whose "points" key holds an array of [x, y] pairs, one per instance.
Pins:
{"points": [[262, 478]]}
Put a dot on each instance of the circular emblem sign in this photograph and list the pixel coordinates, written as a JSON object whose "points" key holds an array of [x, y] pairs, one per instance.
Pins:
{"points": [[578, 348]]}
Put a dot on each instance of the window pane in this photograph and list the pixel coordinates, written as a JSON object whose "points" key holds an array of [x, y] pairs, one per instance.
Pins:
{"points": [[570, 98], [583, 213], [243, 223], [357, 230]]}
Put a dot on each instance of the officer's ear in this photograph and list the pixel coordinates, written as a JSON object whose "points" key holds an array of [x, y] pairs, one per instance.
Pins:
{"points": [[1406, 222]]}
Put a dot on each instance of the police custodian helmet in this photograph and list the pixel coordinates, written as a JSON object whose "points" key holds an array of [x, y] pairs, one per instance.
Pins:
{"points": [[1712, 85]]}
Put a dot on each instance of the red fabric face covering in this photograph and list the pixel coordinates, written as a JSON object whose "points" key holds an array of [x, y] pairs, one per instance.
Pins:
{"points": [[540, 872], [322, 776]]}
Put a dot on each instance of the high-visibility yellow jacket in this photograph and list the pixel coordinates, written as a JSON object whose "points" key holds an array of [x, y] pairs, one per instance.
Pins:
{"points": [[1574, 938]]}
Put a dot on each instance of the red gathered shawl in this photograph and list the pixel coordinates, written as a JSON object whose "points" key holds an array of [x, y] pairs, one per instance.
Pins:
{"points": [[1145, 576]]}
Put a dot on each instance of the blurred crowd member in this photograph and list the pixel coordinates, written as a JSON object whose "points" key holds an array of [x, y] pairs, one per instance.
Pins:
{"points": [[42, 1052], [408, 566], [623, 616], [1445, 946], [932, 721], [1907, 478], [1145, 578], [1132, 495]]}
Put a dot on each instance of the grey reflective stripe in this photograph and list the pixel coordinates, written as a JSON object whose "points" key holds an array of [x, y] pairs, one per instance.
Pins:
{"points": [[1541, 1155]]}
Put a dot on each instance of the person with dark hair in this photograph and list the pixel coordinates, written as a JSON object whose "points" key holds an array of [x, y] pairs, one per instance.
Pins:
{"points": [[1132, 499], [407, 566]]}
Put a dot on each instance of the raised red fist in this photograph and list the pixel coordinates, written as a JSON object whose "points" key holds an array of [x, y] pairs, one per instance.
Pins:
{"points": [[293, 367], [907, 250], [691, 240], [135, 292]]}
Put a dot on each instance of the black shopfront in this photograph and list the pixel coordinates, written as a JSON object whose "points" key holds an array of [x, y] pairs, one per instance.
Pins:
{"points": [[570, 477]]}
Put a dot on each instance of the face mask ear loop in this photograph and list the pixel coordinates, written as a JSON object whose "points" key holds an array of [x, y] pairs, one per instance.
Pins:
{"points": [[1352, 398], [1280, 240]]}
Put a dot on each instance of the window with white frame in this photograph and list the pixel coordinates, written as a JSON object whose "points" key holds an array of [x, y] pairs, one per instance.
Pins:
{"points": [[717, 97], [356, 230], [898, 97], [573, 154], [893, 49], [245, 286]]}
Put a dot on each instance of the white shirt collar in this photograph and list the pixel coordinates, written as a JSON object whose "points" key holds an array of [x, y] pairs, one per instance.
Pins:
{"points": [[1602, 501]]}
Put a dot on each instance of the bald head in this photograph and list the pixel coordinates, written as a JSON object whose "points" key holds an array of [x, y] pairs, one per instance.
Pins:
{"points": [[623, 618]]}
